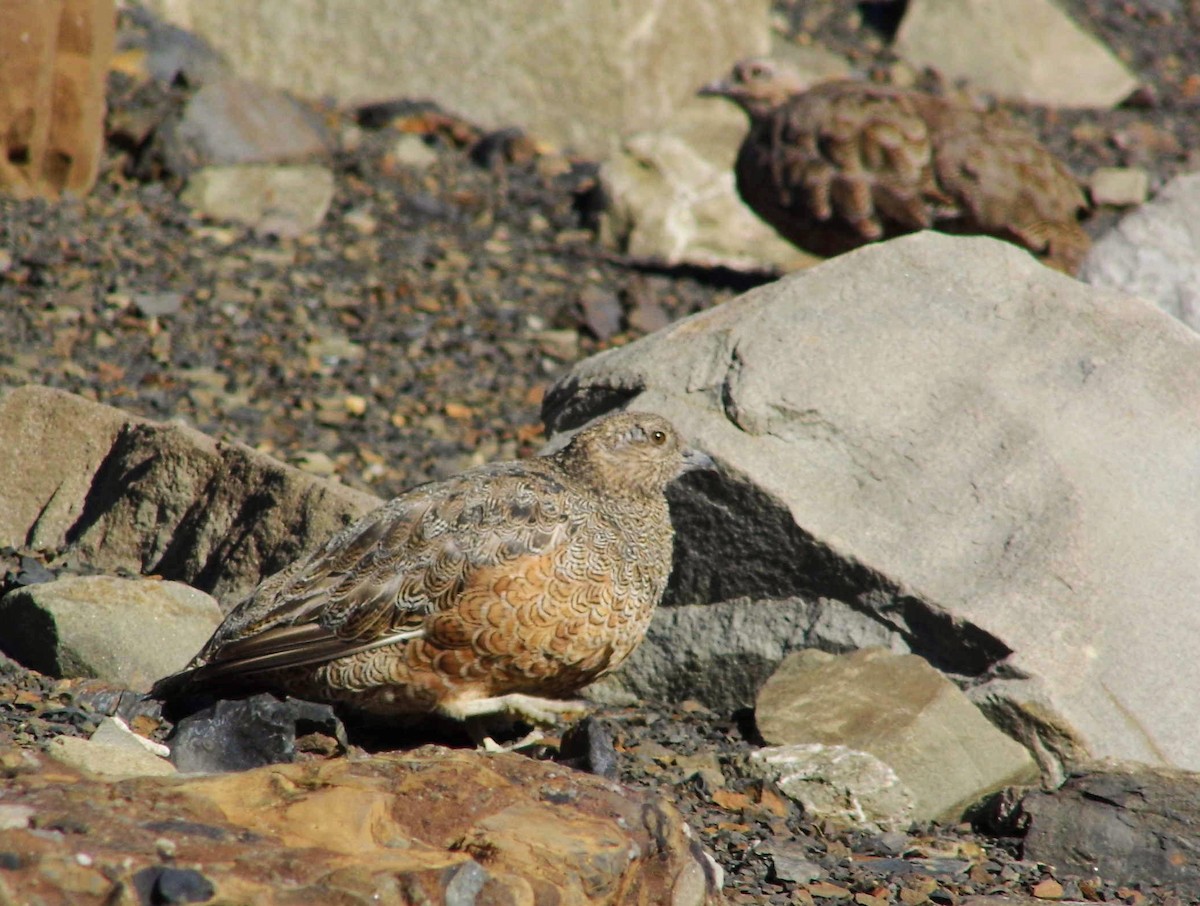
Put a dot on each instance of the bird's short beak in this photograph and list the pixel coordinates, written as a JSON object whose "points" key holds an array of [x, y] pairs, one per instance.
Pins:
{"points": [[694, 459], [717, 89]]}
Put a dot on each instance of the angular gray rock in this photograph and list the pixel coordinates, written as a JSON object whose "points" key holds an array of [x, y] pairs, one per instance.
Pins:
{"points": [[157, 499], [233, 121], [1118, 820], [720, 654], [125, 631], [992, 460], [1154, 252], [901, 711], [576, 74]]}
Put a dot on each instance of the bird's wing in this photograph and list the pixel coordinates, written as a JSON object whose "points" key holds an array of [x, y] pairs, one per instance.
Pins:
{"points": [[378, 580], [858, 153], [1009, 183]]}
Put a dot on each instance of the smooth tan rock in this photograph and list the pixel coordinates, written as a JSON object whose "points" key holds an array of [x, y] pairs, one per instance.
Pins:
{"points": [[1025, 50], [578, 74], [107, 759], [281, 200], [430, 826], [1122, 186], [902, 711], [126, 631], [53, 63]]}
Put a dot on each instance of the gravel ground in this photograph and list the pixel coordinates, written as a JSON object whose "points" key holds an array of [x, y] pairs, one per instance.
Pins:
{"points": [[414, 335]]}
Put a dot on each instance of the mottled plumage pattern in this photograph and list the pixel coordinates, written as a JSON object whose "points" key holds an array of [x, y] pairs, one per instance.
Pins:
{"points": [[844, 163], [502, 589]]}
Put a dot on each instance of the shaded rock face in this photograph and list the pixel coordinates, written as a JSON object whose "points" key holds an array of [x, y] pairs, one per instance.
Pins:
{"points": [[992, 460], [720, 654], [429, 826], [157, 499]]}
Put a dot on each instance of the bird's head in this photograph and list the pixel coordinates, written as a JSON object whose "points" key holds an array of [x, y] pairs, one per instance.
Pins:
{"points": [[757, 85], [634, 451]]}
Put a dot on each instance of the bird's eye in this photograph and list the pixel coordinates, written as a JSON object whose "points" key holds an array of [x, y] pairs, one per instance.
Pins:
{"points": [[658, 438]]}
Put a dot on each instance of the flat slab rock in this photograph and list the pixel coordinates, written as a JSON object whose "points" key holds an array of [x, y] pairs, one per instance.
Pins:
{"points": [[576, 74], [428, 826]]}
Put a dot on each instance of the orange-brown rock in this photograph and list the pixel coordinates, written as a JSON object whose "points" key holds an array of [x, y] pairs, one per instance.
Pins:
{"points": [[428, 826], [54, 57]]}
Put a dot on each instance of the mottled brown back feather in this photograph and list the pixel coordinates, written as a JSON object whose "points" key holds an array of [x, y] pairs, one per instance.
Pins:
{"points": [[844, 163]]}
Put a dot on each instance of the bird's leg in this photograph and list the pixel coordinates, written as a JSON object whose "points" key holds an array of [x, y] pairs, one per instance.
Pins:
{"points": [[487, 744], [542, 712]]}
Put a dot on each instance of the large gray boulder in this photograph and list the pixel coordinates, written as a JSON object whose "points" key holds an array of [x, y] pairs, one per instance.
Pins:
{"points": [[997, 463]]}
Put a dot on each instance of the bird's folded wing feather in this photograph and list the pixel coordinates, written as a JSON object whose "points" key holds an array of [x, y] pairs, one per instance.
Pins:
{"points": [[376, 581], [856, 151]]}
